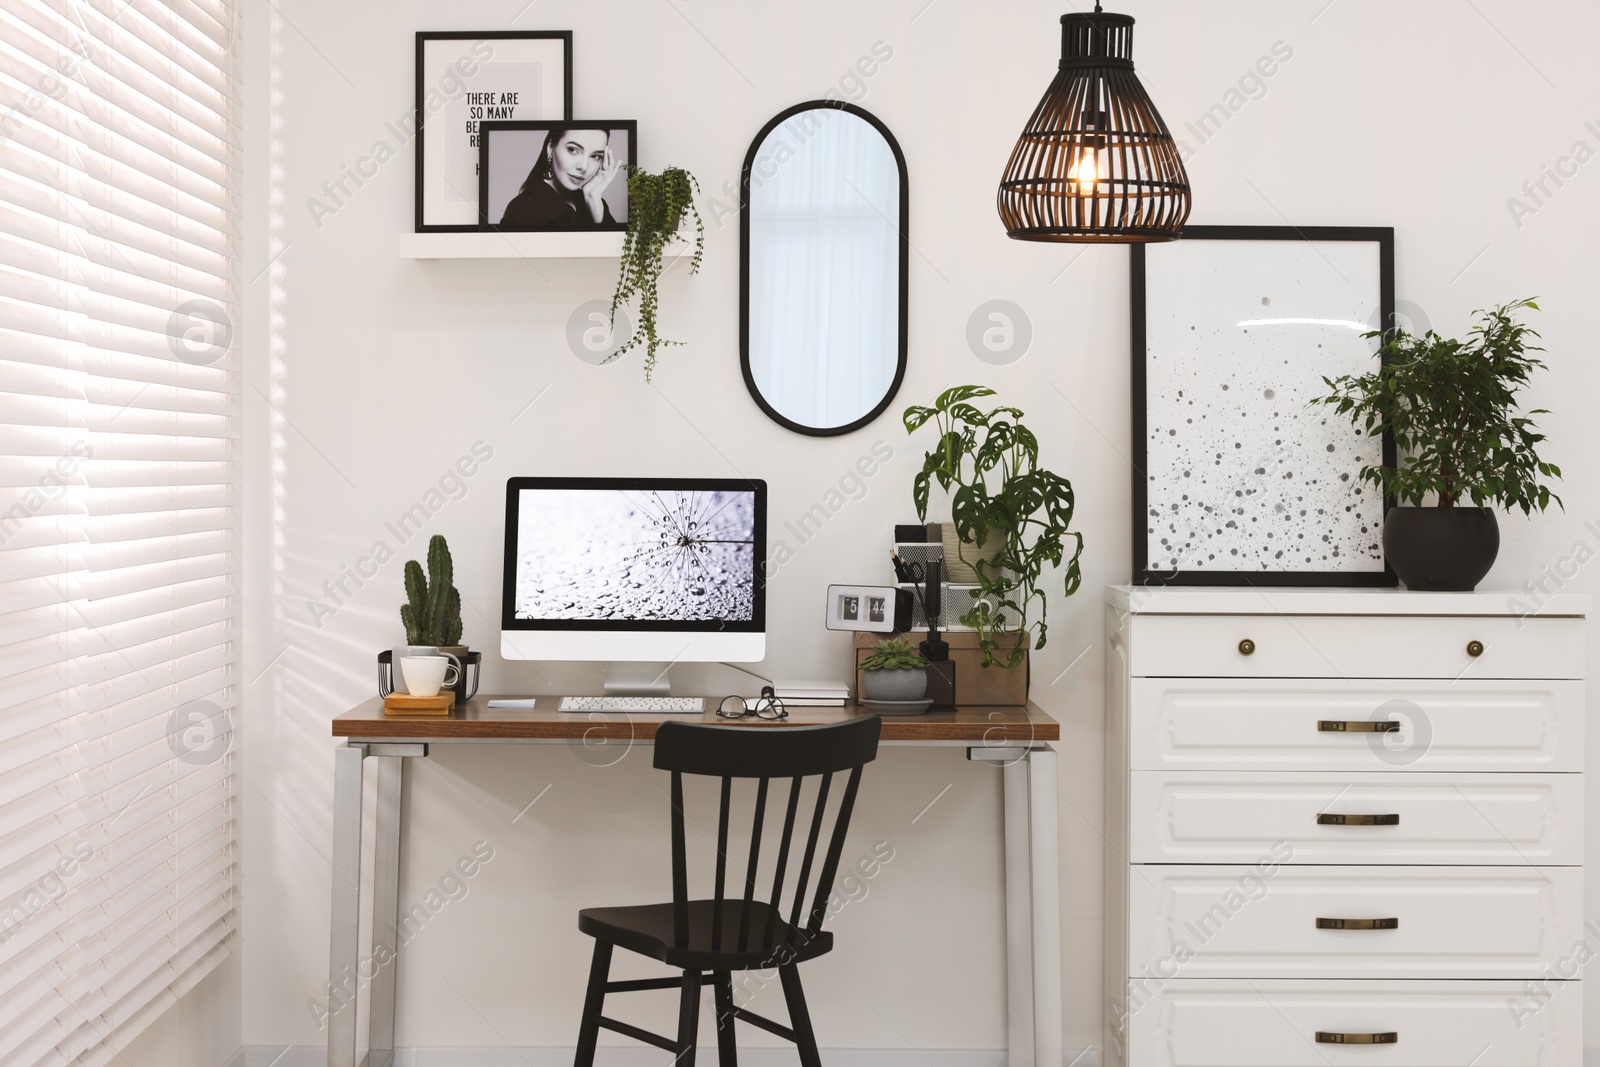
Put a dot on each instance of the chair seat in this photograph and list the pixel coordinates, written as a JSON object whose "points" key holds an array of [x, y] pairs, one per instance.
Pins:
{"points": [[647, 930]]}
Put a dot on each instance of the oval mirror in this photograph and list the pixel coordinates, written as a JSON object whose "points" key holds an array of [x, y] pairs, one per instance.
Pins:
{"points": [[822, 289]]}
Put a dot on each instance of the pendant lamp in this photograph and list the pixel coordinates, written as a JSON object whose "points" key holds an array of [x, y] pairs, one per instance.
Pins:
{"points": [[1096, 162]]}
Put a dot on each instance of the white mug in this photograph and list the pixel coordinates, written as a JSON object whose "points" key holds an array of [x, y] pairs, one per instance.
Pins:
{"points": [[397, 678], [426, 675]]}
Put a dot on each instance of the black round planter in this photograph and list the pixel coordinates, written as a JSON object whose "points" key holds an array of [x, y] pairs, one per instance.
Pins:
{"points": [[1442, 550]]}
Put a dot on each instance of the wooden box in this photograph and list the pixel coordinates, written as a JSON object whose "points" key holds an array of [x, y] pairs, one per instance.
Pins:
{"points": [[976, 685], [406, 704]]}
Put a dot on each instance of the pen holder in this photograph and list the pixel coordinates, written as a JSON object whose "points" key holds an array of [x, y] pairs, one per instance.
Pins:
{"points": [[466, 686]]}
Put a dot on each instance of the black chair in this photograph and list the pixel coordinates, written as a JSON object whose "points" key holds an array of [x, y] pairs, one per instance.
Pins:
{"points": [[723, 935]]}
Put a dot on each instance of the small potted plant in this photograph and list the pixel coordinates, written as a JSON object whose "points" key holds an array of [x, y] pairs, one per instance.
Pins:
{"points": [[1012, 517], [1463, 444], [657, 205], [894, 671], [432, 613]]}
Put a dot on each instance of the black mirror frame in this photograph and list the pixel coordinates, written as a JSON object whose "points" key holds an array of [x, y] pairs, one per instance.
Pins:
{"points": [[744, 267]]}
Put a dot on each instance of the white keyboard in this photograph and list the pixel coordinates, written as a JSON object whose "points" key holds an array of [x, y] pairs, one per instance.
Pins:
{"points": [[690, 705]]}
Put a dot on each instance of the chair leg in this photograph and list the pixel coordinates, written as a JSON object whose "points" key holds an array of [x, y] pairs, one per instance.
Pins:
{"points": [[722, 993], [688, 1019], [799, 1018], [593, 1003]]}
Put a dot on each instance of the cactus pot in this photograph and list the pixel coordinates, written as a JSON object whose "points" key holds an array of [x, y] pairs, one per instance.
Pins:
{"points": [[466, 686], [902, 684]]}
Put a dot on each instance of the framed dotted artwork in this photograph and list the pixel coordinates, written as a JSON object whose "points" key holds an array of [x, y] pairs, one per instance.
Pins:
{"points": [[1238, 479]]}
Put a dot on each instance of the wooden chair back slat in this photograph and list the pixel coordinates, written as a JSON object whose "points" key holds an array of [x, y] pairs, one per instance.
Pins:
{"points": [[765, 753]]}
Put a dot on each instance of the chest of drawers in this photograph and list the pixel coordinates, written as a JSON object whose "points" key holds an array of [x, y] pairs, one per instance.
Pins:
{"points": [[1343, 827]]}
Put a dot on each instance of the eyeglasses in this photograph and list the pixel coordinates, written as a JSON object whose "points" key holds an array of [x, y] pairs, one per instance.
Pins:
{"points": [[766, 706]]}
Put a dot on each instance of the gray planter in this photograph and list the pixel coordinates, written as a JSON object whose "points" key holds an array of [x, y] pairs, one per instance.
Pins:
{"points": [[905, 684]]}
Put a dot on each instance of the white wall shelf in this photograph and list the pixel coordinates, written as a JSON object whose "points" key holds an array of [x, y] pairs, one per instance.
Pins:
{"points": [[574, 244]]}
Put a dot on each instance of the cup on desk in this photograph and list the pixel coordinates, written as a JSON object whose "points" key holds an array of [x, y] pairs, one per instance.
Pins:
{"points": [[424, 676], [396, 680]]}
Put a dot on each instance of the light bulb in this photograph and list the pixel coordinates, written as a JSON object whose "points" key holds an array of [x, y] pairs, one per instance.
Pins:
{"points": [[1084, 171]]}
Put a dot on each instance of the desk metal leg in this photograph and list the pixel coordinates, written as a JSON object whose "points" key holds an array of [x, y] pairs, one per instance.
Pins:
{"points": [[344, 941], [1033, 905], [1044, 852], [391, 771], [1019, 916]]}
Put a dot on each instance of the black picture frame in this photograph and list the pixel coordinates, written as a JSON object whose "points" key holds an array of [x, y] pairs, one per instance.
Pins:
{"points": [[1381, 236], [486, 132], [420, 114], [903, 222]]}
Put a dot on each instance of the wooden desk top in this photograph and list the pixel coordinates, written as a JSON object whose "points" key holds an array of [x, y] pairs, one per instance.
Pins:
{"points": [[476, 721]]}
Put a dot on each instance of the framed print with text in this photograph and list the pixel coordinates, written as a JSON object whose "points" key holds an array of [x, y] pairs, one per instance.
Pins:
{"points": [[463, 80]]}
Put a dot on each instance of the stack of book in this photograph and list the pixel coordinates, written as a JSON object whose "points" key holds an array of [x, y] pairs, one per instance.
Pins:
{"points": [[812, 694]]}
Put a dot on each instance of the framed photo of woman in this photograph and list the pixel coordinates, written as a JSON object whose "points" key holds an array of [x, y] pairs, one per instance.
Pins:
{"points": [[548, 176], [465, 79]]}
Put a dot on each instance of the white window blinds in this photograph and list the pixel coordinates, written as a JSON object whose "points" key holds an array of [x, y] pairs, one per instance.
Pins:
{"points": [[118, 508]]}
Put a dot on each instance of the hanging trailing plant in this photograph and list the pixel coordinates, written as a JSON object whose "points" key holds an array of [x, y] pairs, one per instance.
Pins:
{"points": [[657, 204]]}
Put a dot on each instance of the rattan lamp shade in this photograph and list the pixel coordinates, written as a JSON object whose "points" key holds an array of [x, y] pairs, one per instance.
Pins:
{"points": [[1096, 162]]}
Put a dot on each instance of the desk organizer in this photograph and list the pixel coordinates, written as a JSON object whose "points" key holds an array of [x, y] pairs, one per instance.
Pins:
{"points": [[975, 684]]}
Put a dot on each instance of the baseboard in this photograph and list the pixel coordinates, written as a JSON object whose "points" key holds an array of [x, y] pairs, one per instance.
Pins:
{"points": [[630, 1056]]}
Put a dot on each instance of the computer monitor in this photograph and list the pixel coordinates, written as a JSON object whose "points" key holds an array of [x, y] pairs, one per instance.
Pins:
{"points": [[642, 572]]}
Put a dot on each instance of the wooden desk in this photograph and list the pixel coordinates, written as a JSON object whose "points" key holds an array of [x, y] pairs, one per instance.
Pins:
{"points": [[476, 721], [1017, 738]]}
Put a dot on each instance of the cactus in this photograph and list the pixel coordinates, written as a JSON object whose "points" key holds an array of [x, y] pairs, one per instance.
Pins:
{"points": [[432, 613]]}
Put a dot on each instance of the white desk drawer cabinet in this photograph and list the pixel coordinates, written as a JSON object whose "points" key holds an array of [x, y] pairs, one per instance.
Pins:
{"points": [[1349, 813], [1325, 724], [1354, 922], [1360, 817], [1212, 1023], [1311, 646]]}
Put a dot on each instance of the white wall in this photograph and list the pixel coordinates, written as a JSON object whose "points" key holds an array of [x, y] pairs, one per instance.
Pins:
{"points": [[200, 1030], [369, 376]]}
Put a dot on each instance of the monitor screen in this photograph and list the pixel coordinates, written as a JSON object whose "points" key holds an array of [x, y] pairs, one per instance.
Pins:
{"points": [[635, 554]]}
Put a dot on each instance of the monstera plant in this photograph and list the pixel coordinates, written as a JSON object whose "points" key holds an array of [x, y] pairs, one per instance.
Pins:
{"points": [[1012, 516]]}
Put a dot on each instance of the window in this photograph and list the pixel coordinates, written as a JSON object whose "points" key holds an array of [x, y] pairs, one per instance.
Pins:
{"points": [[118, 505]]}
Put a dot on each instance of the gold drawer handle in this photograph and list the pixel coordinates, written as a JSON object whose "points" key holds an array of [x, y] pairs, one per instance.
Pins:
{"points": [[1247, 647], [1358, 726], [1474, 649], [1388, 1038], [1329, 818], [1358, 924]]}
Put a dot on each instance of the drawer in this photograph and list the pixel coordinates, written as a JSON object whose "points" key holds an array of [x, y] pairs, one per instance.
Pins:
{"points": [[1275, 1024], [1262, 921], [1241, 816], [1321, 646], [1267, 724]]}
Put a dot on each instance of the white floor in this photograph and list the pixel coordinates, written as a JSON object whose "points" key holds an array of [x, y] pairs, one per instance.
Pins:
{"points": [[624, 1056]]}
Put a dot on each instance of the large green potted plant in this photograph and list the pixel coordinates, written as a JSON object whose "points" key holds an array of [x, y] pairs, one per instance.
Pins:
{"points": [[1462, 442], [1013, 518], [657, 206]]}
